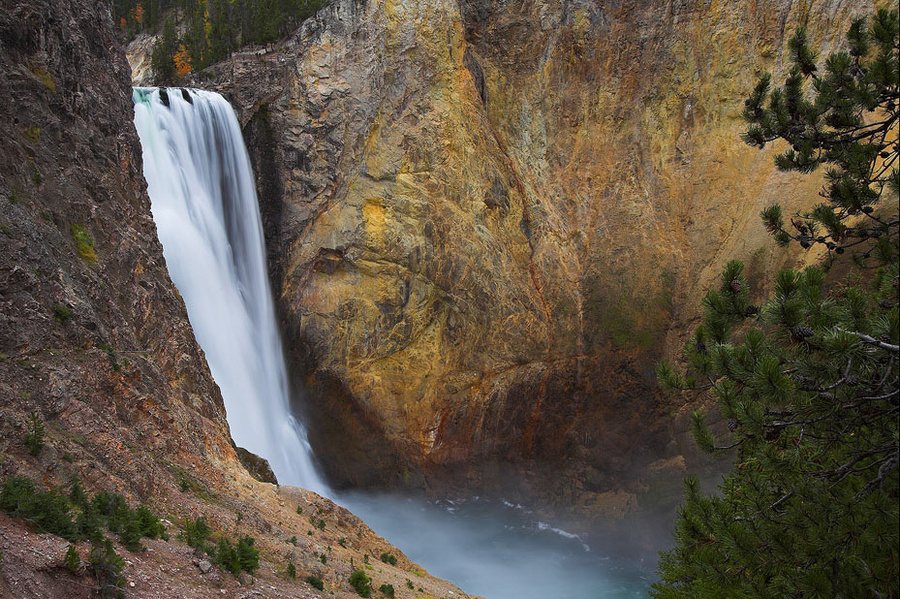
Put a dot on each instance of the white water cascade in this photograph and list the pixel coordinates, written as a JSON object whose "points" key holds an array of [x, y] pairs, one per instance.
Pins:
{"points": [[203, 199]]}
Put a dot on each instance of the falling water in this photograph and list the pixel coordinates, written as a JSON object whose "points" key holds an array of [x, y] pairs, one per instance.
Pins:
{"points": [[203, 199]]}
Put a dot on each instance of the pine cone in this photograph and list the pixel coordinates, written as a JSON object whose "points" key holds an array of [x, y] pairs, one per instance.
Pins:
{"points": [[732, 424], [751, 310], [802, 331], [736, 285], [852, 380]]}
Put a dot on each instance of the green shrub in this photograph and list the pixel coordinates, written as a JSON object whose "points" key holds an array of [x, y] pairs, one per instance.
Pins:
{"points": [[387, 590], [84, 243], [49, 511], [195, 534], [116, 511], [77, 495], [227, 557], [34, 437], [107, 566], [103, 502], [150, 525], [234, 559], [315, 582], [52, 512], [389, 558], [130, 534], [111, 356], [361, 583], [61, 313], [291, 571], [248, 555], [113, 510], [45, 78], [73, 560], [46, 510], [89, 523]]}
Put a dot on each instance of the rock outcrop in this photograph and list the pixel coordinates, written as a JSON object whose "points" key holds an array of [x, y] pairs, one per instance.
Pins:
{"points": [[94, 335], [488, 220], [96, 345]]}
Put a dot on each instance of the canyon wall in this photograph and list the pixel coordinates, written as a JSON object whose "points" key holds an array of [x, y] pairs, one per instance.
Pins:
{"points": [[95, 337], [487, 220], [95, 344]]}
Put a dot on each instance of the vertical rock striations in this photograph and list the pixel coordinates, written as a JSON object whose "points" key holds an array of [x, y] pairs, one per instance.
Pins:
{"points": [[94, 337], [489, 219]]}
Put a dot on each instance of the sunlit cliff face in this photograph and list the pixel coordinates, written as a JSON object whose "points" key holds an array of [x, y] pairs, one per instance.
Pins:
{"points": [[486, 221]]}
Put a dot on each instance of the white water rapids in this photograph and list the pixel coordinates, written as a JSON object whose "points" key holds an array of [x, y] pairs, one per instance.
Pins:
{"points": [[203, 199]]}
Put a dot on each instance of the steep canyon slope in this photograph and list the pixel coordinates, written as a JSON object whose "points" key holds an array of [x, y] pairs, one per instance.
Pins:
{"points": [[95, 342], [487, 220]]}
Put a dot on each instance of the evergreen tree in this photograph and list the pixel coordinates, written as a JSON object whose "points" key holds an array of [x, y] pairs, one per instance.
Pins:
{"points": [[850, 125], [227, 557], [130, 533], [150, 525], [89, 523], [248, 555], [808, 383], [107, 566], [162, 58]]}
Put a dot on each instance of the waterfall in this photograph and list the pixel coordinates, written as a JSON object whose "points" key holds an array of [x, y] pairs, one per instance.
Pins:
{"points": [[203, 199]]}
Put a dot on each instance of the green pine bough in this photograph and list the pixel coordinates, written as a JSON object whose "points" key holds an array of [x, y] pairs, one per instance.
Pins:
{"points": [[808, 382]]}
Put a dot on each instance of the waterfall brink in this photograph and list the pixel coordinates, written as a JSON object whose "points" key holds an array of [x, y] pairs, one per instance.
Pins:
{"points": [[203, 199]]}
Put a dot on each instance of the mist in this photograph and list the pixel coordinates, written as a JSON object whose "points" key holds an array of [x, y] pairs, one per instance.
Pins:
{"points": [[501, 551]]}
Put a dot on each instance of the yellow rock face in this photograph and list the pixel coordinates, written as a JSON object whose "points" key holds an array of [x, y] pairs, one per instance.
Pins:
{"points": [[490, 224]]}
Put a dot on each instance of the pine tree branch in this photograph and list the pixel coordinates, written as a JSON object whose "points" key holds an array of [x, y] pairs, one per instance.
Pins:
{"points": [[871, 340], [783, 498], [883, 471]]}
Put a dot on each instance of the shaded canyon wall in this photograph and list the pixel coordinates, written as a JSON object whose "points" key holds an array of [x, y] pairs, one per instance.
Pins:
{"points": [[94, 338]]}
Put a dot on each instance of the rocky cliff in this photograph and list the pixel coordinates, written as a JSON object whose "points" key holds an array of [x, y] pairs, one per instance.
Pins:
{"points": [[487, 220], [95, 342]]}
